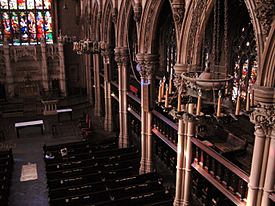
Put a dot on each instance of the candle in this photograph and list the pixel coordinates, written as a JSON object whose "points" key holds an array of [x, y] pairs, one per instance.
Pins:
{"points": [[166, 97], [162, 87], [198, 112], [179, 102], [247, 108], [237, 112], [159, 96], [170, 85], [219, 104], [226, 88]]}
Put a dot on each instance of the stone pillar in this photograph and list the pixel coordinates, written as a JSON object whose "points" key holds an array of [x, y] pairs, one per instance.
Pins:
{"points": [[190, 122], [180, 164], [96, 85], [122, 59], [264, 118], [270, 171], [149, 144], [9, 72], [147, 63], [88, 78], [44, 67], [108, 123], [62, 75]]}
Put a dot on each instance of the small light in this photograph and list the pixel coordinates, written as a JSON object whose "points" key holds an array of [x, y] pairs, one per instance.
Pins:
{"points": [[129, 109], [247, 43], [220, 93], [113, 95], [200, 92], [94, 86]]}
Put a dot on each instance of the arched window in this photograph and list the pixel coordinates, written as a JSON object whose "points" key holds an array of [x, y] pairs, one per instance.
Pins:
{"points": [[24, 22]]}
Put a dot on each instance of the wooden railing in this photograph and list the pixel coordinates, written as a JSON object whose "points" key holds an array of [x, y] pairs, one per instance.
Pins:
{"points": [[165, 126], [224, 175], [134, 104]]}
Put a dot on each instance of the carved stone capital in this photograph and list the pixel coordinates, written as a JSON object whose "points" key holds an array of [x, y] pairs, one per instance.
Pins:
{"points": [[263, 116], [178, 13], [114, 15], [121, 56], [265, 10], [137, 12], [146, 66]]}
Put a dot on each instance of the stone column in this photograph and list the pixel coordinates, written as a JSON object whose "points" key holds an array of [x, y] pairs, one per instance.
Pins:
{"points": [[108, 123], [88, 78], [180, 164], [147, 63], [62, 75], [9, 72], [270, 170], [44, 67], [190, 122], [263, 118], [149, 145], [122, 59], [96, 85]]}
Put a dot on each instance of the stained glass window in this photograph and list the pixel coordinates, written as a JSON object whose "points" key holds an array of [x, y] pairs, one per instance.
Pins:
{"points": [[24, 22]]}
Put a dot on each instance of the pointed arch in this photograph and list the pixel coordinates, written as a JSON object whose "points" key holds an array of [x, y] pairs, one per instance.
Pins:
{"points": [[106, 22]]}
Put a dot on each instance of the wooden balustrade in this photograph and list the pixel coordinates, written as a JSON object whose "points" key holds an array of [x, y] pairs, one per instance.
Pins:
{"points": [[165, 126], [227, 177], [50, 107], [219, 171]]}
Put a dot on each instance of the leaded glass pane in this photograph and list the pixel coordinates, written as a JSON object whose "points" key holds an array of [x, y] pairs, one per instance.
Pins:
{"points": [[47, 4], [48, 21], [32, 27], [23, 27], [7, 26], [22, 4], [39, 4], [13, 4], [4, 4], [40, 23], [30, 4], [15, 28]]}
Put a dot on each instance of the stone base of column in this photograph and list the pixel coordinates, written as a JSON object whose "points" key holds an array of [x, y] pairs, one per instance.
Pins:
{"points": [[123, 141], [178, 202], [142, 169], [108, 125], [148, 166]]}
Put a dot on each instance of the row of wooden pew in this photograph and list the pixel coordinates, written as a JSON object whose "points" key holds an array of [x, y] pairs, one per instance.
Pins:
{"points": [[6, 165], [80, 173]]}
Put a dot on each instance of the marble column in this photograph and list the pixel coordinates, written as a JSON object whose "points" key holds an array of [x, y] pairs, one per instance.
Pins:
{"points": [[122, 59], [9, 72], [108, 123], [96, 85], [190, 122], [147, 62], [263, 118], [88, 78], [62, 75], [178, 201], [44, 67], [270, 171]]}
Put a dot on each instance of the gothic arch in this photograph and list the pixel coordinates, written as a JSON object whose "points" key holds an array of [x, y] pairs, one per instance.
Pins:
{"points": [[95, 23], [197, 14], [123, 23], [106, 22]]}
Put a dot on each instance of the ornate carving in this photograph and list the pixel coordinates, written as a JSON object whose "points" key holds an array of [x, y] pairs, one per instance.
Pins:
{"points": [[178, 13], [148, 25], [265, 10], [114, 15], [137, 12], [197, 12], [121, 56], [146, 66], [263, 116]]}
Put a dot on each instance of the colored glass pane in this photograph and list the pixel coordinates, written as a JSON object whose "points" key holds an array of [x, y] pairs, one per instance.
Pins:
{"points": [[4, 4], [47, 4], [23, 27], [31, 26], [13, 4], [21, 4], [49, 37], [48, 21], [39, 4], [15, 27], [40, 25], [6, 25], [30, 4]]}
